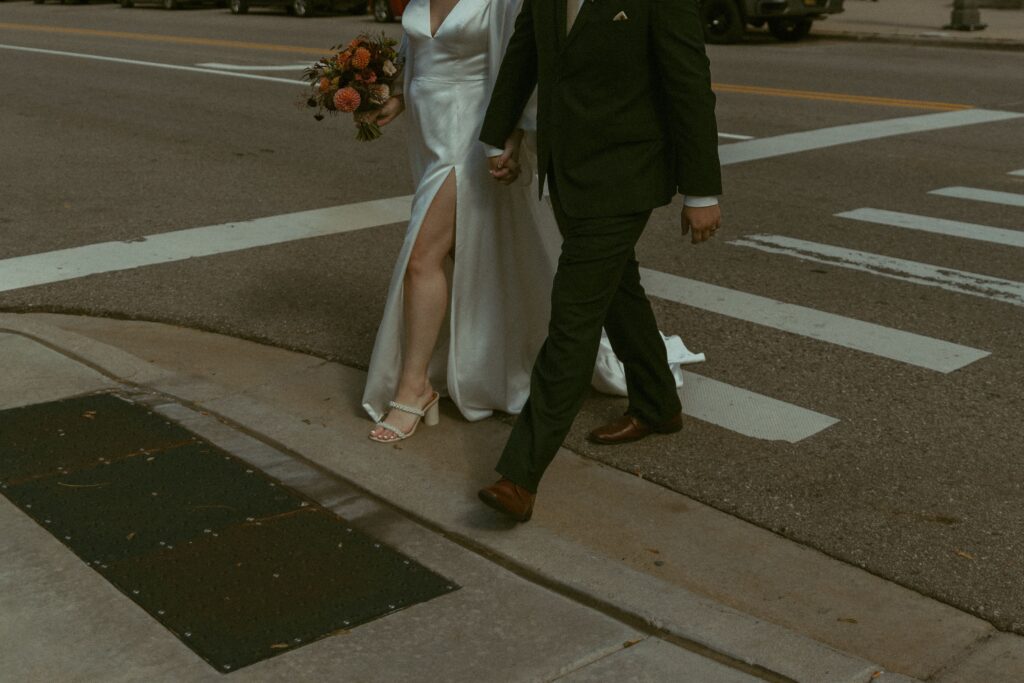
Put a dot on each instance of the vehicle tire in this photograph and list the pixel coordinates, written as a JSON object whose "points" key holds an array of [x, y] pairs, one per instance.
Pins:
{"points": [[790, 30], [127, 4], [302, 8], [238, 6], [38, 2], [170, 4], [722, 21], [381, 11]]}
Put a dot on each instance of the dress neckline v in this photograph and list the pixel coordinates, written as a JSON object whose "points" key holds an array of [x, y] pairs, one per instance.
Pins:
{"points": [[430, 31]]}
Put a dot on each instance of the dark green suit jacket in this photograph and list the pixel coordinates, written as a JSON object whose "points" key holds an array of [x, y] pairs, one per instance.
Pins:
{"points": [[626, 116]]}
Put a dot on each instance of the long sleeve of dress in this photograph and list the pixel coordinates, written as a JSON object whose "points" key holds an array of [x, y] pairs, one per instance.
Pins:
{"points": [[503, 24]]}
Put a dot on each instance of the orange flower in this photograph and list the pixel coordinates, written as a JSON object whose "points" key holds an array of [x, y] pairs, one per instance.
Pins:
{"points": [[361, 58], [342, 59], [347, 99], [325, 84], [356, 42]]}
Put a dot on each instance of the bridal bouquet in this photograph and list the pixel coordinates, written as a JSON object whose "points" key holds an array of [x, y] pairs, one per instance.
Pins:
{"points": [[356, 79]]}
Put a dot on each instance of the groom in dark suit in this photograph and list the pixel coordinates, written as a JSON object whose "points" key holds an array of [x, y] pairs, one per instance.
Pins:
{"points": [[625, 121]]}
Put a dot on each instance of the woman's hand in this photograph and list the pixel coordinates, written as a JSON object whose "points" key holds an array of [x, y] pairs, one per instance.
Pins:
{"points": [[391, 109], [505, 168]]}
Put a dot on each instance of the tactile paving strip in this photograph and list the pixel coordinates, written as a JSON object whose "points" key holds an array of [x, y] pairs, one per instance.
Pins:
{"points": [[236, 565]]}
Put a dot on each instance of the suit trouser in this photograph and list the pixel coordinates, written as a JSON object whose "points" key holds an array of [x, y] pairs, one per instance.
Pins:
{"points": [[597, 285]]}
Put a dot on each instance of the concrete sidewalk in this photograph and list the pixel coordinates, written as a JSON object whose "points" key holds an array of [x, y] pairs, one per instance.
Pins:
{"points": [[923, 22], [614, 579]]}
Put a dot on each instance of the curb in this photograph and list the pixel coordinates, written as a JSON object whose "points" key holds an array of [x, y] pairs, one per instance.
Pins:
{"points": [[999, 44], [713, 630]]}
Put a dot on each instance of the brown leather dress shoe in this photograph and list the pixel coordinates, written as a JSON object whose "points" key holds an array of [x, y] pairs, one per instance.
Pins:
{"points": [[629, 428], [509, 499]]}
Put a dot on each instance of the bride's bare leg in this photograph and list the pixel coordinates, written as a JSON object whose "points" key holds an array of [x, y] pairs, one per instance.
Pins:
{"points": [[426, 299]]}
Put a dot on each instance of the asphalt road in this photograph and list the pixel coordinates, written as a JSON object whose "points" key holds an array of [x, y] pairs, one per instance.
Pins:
{"points": [[919, 480]]}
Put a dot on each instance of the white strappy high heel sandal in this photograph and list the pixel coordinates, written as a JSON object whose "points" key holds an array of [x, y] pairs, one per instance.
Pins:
{"points": [[429, 415]]}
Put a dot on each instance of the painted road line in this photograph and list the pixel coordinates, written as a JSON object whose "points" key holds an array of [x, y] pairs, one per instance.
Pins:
{"points": [[959, 281], [1019, 172], [254, 67], [980, 195], [159, 65], [905, 347], [939, 226], [837, 97], [105, 257], [748, 413], [791, 143], [162, 38], [733, 136]]}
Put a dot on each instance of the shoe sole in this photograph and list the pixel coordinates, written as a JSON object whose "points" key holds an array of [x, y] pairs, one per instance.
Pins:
{"points": [[496, 505], [602, 442]]}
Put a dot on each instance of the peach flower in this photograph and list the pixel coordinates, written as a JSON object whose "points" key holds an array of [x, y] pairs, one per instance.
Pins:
{"points": [[347, 99]]}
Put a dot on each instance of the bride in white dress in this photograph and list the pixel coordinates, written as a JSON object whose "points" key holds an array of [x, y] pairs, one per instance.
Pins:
{"points": [[468, 304]]}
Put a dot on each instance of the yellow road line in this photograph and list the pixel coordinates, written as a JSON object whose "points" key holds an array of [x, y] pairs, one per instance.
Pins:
{"points": [[271, 47], [157, 38], [838, 97]]}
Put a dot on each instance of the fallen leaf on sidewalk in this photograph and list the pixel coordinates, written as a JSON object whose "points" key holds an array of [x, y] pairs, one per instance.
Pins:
{"points": [[653, 550], [847, 620], [130, 536], [279, 646], [630, 643], [965, 555], [89, 415]]}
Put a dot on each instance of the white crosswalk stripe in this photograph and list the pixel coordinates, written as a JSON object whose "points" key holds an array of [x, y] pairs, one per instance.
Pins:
{"points": [[749, 413], [791, 143], [938, 226], [905, 347], [1019, 172], [167, 247], [981, 195], [950, 279]]}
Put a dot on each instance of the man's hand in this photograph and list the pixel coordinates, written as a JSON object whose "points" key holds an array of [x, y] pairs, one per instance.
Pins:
{"points": [[391, 109], [702, 220], [505, 167]]}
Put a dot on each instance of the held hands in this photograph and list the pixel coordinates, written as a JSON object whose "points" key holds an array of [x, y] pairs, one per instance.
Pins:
{"points": [[702, 220], [505, 167]]}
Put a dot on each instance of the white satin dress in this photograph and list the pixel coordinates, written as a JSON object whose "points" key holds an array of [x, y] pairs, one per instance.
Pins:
{"points": [[506, 243]]}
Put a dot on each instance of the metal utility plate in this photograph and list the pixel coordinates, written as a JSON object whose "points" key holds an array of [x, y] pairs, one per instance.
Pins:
{"points": [[236, 565]]}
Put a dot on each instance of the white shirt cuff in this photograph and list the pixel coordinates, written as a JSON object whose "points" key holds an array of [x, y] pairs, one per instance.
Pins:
{"points": [[700, 202], [493, 151]]}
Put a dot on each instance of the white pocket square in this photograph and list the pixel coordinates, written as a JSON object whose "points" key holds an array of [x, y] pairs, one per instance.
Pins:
{"points": [[621, 16]]}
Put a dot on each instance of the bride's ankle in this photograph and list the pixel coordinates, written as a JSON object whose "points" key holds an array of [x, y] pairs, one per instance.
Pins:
{"points": [[414, 392]]}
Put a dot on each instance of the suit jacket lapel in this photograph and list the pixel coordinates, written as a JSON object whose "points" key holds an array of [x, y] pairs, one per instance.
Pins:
{"points": [[580, 19], [560, 18]]}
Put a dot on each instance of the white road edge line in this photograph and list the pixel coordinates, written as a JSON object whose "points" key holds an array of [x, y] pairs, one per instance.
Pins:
{"points": [[254, 67], [748, 413], [105, 257], [791, 143], [904, 347], [950, 279], [980, 195], [939, 226], [159, 65], [1019, 172]]}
